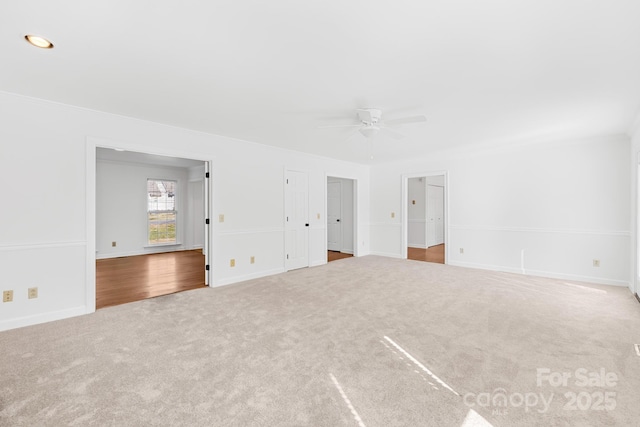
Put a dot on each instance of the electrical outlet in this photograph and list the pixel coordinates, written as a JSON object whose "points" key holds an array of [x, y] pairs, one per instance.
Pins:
{"points": [[221, 218], [461, 250], [113, 244], [7, 296], [232, 263], [393, 214], [32, 293], [253, 260], [596, 263]]}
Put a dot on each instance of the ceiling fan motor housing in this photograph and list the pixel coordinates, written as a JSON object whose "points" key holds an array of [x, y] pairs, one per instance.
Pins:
{"points": [[369, 116]]}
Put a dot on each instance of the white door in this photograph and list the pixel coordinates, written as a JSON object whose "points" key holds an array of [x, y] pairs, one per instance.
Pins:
{"points": [[196, 207], [334, 209], [435, 215], [439, 216], [296, 220]]}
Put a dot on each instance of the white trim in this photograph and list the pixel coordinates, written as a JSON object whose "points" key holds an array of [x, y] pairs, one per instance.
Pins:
{"points": [[318, 263], [245, 277], [541, 230], [35, 319], [160, 250], [541, 273], [91, 161], [42, 245], [160, 245]]}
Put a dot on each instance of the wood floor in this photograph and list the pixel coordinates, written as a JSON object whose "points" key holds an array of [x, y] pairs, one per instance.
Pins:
{"points": [[334, 255], [128, 279], [432, 254]]}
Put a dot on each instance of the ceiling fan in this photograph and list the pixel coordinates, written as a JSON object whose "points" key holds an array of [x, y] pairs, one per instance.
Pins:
{"points": [[371, 124]]}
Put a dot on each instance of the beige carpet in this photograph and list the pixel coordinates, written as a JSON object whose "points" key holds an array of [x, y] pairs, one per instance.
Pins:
{"points": [[358, 342]]}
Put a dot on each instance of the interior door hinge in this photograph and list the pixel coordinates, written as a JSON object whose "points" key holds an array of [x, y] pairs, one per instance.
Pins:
{"points": [[206, 267], [206, 175], [206, 221], [287, 256], [287, 180]]}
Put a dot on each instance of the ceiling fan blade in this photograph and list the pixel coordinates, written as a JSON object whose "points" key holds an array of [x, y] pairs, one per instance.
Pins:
{"points": [[339, 126], [405, 120], [352, 134], [391, 133]]}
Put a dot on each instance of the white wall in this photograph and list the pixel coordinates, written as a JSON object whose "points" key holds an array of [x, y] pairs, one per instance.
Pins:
{"points": [[52, 139], [564, 203], [121, 208], [416, 213]]}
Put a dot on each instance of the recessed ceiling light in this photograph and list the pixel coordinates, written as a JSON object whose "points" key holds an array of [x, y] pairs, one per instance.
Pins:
{"points": [[38, 41]]}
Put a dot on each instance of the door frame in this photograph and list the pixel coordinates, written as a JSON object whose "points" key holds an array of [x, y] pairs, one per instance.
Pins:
{"points": [[92, 144], [405, 210], [356, 227]]}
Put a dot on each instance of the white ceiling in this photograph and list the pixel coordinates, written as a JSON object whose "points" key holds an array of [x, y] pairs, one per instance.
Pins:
{"points": [[273, 71]]}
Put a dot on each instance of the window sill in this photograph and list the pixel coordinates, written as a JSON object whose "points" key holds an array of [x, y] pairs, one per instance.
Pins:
{"points": [[159, 245]]}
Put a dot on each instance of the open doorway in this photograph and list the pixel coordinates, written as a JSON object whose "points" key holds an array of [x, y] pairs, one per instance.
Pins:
{"points": [[425, 217], [341, 214], [150, 232]]}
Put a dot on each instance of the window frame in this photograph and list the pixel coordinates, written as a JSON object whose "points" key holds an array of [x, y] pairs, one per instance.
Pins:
{"points": [[173, 211]]}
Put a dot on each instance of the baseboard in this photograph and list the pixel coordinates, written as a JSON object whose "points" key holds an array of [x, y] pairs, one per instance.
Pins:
{"points": [[637, 297], [36, 319], [386, 254], [244, 278], [317, 263], [158, 250], [417, 245], [542, 273]]}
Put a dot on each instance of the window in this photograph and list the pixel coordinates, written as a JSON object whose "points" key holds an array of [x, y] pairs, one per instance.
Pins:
{"points": [[161, 211]]}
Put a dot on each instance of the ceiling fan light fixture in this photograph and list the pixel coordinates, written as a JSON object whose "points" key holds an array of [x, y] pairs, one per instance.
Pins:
{"points": [[369, 131], [38, 41]]}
